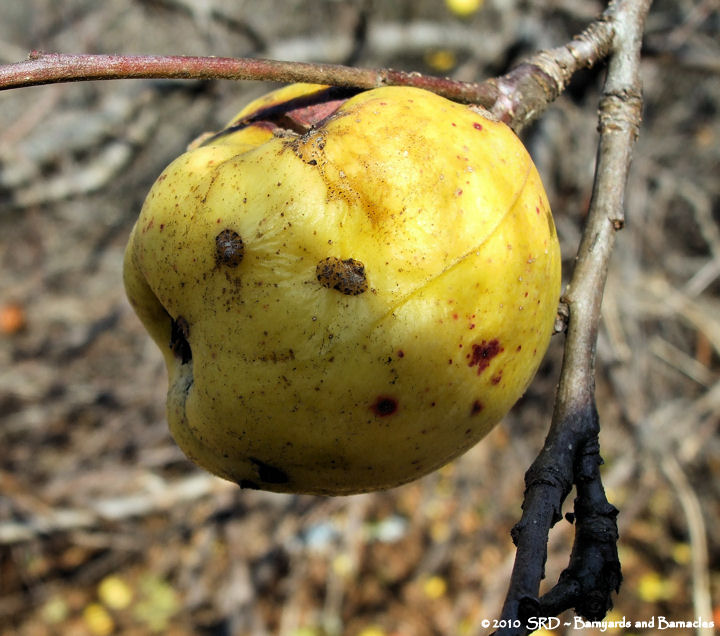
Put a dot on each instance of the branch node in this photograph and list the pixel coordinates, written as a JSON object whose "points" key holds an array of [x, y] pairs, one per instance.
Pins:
{"points": [[621, 110]]}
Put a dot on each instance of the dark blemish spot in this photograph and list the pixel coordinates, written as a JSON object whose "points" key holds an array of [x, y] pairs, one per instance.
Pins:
{"points": [[246, 483], [179, 334], [229, 248], [312, 162], [162, 227], [476, 407], [483, 353], [346, 276], [269, 474], [477, 126], [496, 378], [400, 353], [518, 348], [468, 431], [384, 406]]}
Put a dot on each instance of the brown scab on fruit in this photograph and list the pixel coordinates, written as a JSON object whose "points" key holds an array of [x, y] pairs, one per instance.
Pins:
{"points": [[346, 276], [179, 334], [229, 248]]}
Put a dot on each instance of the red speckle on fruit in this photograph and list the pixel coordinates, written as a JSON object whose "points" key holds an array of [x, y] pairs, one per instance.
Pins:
{"points": [[218, 221], [162, 227], [537, 210], [400, 353], [477, 126], [476, 407], [384, 405], [496, 378], [483, 353], [518, 348], [472, 325], [455, 316]]}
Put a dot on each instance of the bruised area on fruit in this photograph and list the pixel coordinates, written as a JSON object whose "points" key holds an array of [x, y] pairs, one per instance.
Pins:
{"points": [[179, 334], [269, 474], [384, 406], [297, 114]]}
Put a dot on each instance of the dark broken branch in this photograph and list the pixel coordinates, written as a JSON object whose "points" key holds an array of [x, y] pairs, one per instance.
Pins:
{"points": [[571, 452]]}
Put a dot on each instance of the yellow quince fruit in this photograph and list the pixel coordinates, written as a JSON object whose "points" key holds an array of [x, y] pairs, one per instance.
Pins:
{"points": [[350, 289]]}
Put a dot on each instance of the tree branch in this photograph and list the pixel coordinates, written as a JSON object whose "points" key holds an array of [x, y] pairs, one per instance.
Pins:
{"points": [[571, 451], [50, 68], [516, 98]]}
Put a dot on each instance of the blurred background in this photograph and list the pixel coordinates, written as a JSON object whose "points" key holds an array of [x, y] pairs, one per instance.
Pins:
{"points": [[105, 527]]}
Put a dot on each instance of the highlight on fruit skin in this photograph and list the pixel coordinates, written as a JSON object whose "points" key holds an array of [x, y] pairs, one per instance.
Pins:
{"points": [[350, 289]]}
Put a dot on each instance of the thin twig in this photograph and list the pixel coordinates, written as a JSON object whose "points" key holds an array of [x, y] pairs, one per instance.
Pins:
{"points": [[50, 68], [571, 452], [702, 600]]}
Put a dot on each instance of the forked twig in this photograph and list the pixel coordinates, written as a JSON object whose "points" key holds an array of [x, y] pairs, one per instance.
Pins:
{"points": [[570, 454]]}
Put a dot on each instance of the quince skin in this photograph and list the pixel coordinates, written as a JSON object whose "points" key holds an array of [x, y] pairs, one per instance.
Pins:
{"points": [[349, 290]]}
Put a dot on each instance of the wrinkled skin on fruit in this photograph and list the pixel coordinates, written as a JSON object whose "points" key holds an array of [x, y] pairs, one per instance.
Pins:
{"points": [[349, 290]]}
